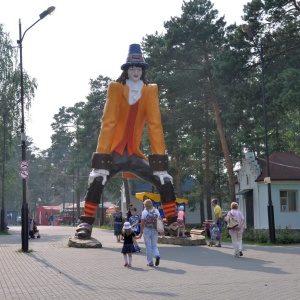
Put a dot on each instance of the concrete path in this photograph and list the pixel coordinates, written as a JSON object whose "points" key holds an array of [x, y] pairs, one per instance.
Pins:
{"points": [[55, 271]]}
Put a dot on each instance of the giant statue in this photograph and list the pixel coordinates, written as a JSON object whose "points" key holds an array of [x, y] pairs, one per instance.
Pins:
{"points": [[131, 101]]}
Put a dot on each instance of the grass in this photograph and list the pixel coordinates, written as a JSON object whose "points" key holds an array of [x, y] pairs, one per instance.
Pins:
{"points": [[21, 251], [4, 233]]}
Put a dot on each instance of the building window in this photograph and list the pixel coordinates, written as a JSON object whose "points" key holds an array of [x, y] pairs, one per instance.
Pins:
{"points": [[288, 201]]}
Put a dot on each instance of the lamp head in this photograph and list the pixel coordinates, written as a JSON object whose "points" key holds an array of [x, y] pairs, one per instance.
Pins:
{"points": [[49, 11]]}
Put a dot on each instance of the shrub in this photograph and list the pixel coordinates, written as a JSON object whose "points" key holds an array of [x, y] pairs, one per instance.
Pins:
{"points": [[283, 236]]}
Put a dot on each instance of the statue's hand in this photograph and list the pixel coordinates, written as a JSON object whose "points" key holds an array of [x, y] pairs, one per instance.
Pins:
{"points": [[162, 175], [96, 173]]}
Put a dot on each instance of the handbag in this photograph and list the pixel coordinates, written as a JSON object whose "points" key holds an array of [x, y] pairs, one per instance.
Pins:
{"points": [[232, 222], [160, 225]]}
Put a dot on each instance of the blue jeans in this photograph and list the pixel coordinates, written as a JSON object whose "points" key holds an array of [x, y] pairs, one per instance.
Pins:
{"points": [[150, 238], [220, 224]]}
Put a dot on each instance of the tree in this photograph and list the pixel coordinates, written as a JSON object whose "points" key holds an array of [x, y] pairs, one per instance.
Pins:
{"points": [[275, 25], [10, 118], [190, 47]]}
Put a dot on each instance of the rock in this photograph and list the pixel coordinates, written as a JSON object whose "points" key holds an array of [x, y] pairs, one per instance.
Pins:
{"points": [[84, 243], [187, 241]]}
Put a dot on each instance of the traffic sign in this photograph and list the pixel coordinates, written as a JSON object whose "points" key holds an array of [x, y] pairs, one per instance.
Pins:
{"points": [[24, 174], [24, 164]]}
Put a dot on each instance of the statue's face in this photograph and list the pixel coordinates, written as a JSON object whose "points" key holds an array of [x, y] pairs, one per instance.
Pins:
{"points": [[134, 73]]}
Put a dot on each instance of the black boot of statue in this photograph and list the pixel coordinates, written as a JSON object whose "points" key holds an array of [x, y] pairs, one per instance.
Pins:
{"points": [[84, 229]]}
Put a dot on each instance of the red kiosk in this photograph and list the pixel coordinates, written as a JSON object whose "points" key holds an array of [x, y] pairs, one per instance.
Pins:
{"points": [[44, 212]]}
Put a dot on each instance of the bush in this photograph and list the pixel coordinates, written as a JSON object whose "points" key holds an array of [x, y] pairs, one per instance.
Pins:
{"points": [[283, 236], [256, 235], [287, 236]]}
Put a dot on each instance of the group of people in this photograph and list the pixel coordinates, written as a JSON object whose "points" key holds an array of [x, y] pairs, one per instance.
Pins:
{"points": [[236, 233], [132, 218], [145, 225], [134, 228]]}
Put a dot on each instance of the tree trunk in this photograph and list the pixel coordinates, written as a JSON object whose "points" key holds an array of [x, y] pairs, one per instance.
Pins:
{"points": [[225, 149], [202, 215], [207, 169], [177, 171], [77, 195]]}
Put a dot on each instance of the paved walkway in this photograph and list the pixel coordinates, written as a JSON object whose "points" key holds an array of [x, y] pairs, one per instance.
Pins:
{"points": [[54, 271]]}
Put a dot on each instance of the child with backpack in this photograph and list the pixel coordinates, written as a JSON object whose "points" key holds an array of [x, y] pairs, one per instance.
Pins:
{"points": [[134, 221], [214, 235]]}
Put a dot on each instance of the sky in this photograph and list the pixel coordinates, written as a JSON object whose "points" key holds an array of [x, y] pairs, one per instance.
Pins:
{"points": [[80, 41]]}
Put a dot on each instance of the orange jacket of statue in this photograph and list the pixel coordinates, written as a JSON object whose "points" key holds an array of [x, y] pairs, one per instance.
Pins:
{"points": [[115, 115]]}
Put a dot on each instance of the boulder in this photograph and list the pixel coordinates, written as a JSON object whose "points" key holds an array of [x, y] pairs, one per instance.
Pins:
{"points": [[84, 243], [183, 241]]}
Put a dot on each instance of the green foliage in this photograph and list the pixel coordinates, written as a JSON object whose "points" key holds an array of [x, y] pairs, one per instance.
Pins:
{"points": [[4, 233], [287, 236], [283, 236], [256, 235], [10, 151]]}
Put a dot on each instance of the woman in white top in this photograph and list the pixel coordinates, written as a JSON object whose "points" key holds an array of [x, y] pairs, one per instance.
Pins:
{"points": [[148, 228], [237, 232]]}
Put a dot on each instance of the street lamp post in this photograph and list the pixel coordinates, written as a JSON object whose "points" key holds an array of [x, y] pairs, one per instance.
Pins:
{"points": [[73, 191], [24, 212], [250, 34], [3, 217]]}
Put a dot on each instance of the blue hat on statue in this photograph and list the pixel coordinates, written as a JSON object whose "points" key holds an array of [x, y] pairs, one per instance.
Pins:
{"points": [[135, 58]]}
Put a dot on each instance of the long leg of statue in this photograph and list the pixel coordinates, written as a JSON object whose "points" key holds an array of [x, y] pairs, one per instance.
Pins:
{"points": [[168, 199], [140, 167], [92, 200]]}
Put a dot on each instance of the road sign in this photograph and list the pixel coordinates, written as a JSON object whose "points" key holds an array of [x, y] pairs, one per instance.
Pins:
{"points": [[24, 174], [24, 164]]}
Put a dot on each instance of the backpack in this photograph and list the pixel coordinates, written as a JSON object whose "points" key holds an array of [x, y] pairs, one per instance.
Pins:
{"points": [[151, 219]]}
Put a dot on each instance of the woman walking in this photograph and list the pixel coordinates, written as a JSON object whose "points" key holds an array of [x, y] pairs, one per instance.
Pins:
{"points": [[118, 223], [237, 232], [148, 228]]}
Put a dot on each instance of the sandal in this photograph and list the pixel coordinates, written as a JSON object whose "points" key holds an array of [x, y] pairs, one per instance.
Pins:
{"points": [[126, 264]]}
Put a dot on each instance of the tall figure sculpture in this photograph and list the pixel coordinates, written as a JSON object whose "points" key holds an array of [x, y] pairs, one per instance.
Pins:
{"points": [[131, 101]]}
